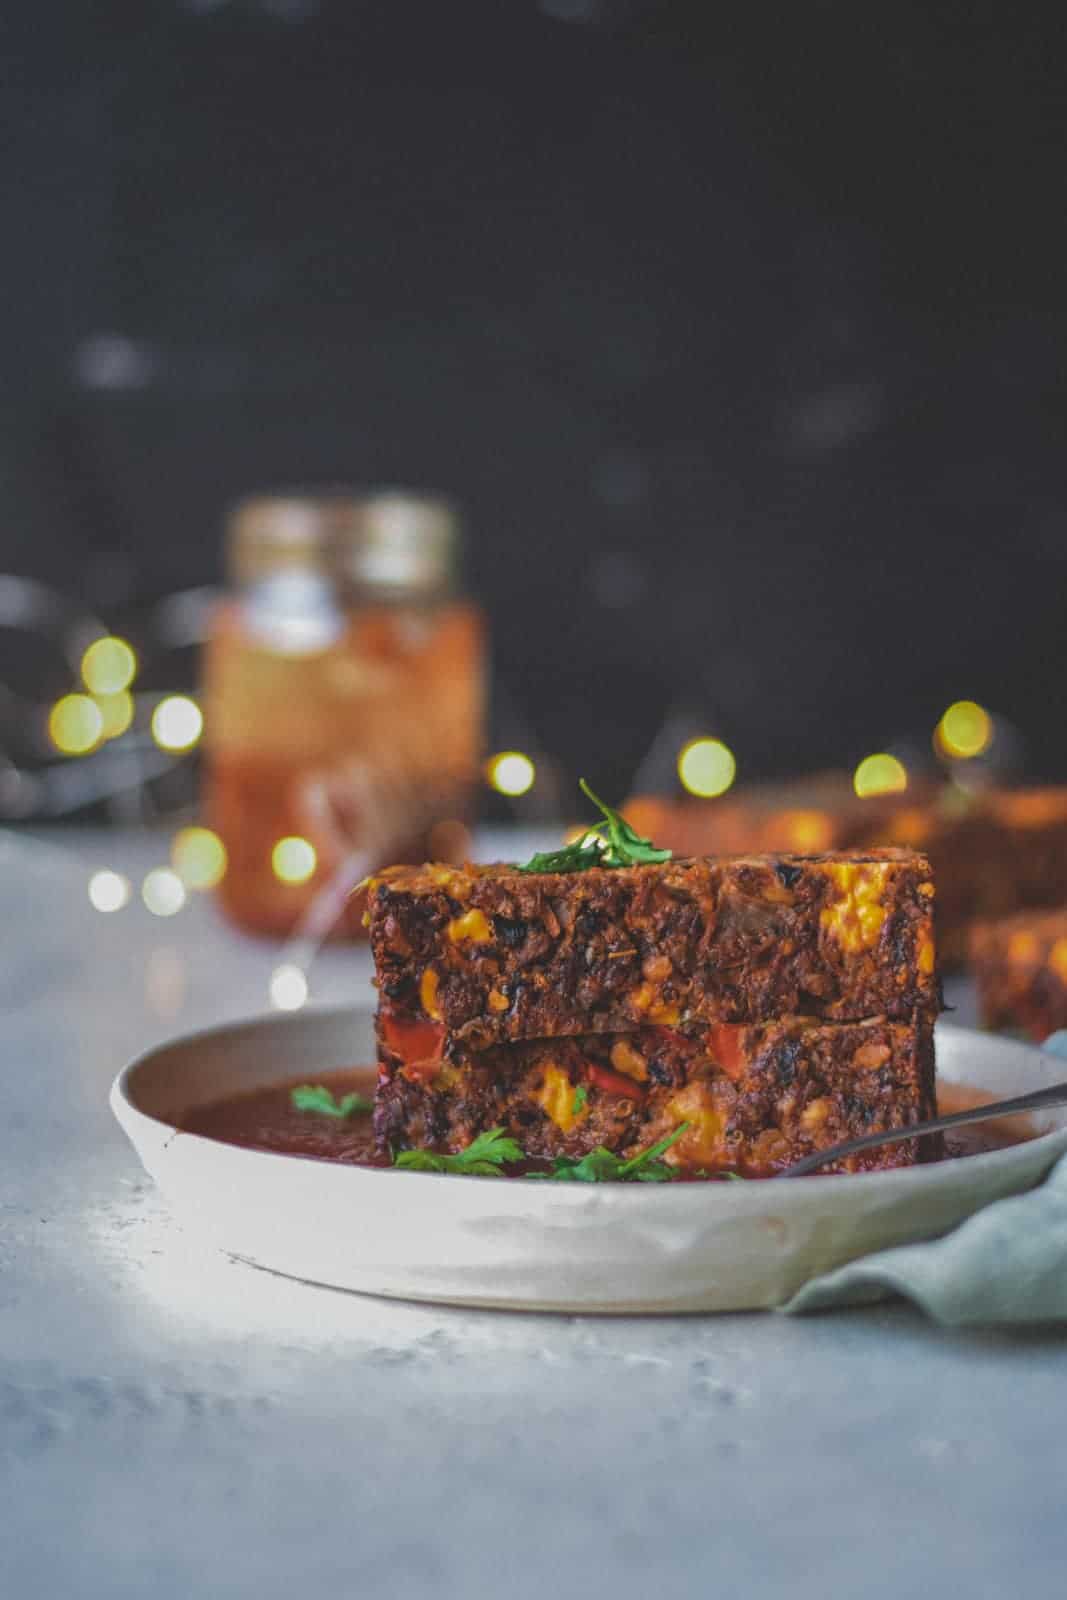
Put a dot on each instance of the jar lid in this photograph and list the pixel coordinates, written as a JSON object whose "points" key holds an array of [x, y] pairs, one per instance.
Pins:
{"points": [[276, 533], [403, 542], [390, 542]]}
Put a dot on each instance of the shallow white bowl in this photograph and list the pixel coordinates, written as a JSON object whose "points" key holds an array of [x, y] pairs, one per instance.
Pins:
{"points": [[534, 1245]]}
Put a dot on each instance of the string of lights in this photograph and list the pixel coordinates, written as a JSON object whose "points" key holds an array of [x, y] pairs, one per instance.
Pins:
{"points": [[108, 736]]}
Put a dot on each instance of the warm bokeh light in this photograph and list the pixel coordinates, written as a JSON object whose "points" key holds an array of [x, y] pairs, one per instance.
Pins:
{"points": [[880, 774], [75, 724], [198, 856], [910, 826], [965, 730], [1031, 810], [109, 666], [288, 987], [1057, 959], [109, 891], [177, 723], [808, 831], [706, 767], [293, 859], [511, 773], [1023, 948], [116, 710], [163, 892]]}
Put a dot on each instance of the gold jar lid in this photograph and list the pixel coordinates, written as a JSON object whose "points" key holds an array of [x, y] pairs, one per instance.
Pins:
{"points": [[390, 542], [404, 543], [277, 533]]}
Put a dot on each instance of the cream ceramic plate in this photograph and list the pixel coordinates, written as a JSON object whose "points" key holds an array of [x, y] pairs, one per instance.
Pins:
{"points": [[538, 1246]]}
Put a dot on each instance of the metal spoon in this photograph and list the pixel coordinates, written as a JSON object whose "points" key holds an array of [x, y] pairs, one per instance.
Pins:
{"points": [[1055, 1095]]}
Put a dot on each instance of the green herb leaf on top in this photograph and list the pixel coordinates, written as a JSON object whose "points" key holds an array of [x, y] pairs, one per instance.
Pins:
{"points": [[484, 1157], [569, 858], [610, 843], [315, 1097], [581, 1095], [604, 1166], [625, 846]]}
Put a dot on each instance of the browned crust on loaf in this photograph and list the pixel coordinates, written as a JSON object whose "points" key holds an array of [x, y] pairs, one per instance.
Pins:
{"points": [[739, 939], [755, 1098], [1020, 967]]}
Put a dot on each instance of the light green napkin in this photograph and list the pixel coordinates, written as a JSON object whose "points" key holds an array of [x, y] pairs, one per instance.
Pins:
{"points": [[1007, 1263]]}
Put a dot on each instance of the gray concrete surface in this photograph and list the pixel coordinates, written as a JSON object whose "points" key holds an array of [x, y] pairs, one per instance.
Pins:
{"points": [[173, 1423]]}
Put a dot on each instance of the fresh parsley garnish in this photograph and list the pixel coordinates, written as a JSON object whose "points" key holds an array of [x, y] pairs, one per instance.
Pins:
{"points": [[574, 857], [581, 1095], [604, 1166], [483, 1158], [610, 843], [315, 1097]]}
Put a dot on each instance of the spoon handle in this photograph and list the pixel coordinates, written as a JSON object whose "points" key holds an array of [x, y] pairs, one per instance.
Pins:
{"points": [[1054, 1095]]}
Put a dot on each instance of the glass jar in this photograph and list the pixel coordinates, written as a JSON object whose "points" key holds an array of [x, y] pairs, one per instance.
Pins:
{"points": [[344, 694]]}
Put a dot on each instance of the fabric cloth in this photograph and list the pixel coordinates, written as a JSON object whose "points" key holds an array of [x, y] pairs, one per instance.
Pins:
{"points": [[1006, 1264]]}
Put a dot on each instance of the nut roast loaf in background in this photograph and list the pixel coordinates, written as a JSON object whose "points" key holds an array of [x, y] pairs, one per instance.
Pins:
{"points": [[1020, 968]]}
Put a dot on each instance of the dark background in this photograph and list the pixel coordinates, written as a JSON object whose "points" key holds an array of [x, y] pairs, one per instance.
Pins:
{"points": [[738, 332]]}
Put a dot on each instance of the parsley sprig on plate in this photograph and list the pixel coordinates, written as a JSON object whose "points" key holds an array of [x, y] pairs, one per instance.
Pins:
{"points": [[610, 843], [604, 1166], [491, 1152], [316, 1097], [484, 1157]]}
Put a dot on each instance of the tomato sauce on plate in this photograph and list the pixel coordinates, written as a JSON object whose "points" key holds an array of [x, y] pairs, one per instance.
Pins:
{"points": [[267, 1119]]}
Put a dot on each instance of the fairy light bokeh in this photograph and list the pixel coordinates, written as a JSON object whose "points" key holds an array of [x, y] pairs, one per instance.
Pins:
{"points": [[288, 987], [109, 891], [878, 774], [294, 859], [75, 724], [116, 710], [511, 773], [198, 856], [163, 892], [177, 723], [964, 731], [108, 666], [706, 767]]}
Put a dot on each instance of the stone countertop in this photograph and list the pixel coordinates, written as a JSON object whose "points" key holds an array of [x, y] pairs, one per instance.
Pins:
{"points": [[175, 1423]]}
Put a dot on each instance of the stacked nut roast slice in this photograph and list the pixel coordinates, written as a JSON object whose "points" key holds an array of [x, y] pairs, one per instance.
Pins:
{"points": [[774, 1005]]}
